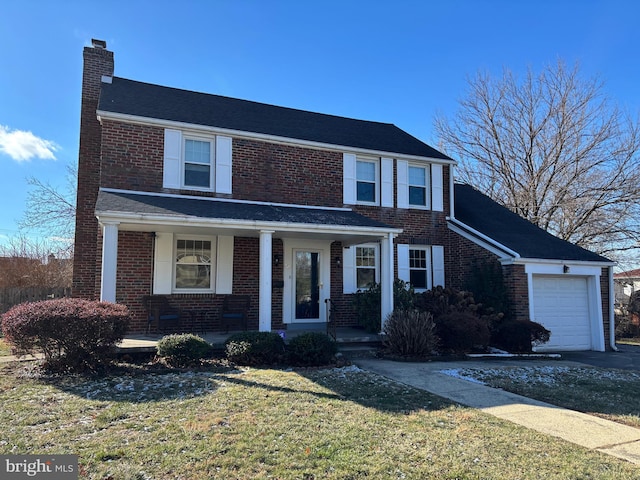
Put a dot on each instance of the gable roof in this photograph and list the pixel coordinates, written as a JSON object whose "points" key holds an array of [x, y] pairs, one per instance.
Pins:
{"points": [[488, 217], [130, 97]]}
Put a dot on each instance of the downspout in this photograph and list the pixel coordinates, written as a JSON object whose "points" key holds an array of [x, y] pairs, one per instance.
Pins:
{"points": [[612, 314]]}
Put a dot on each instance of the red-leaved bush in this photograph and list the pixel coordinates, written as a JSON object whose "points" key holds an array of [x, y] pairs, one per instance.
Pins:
{"points": [[74, 335]]}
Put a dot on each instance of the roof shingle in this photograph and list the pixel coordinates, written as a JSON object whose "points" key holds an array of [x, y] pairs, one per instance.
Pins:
{"points": [[130, 97]]}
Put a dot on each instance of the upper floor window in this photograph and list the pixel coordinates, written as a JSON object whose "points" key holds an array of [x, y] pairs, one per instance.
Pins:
{"points": [[366, 180], [418, 186], [198, 163]]}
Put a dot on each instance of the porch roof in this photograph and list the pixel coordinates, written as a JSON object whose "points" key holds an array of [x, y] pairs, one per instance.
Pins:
{"points": [[143, 211]]}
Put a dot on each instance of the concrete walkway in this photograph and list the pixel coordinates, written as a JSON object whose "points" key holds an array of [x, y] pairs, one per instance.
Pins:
{"points": [[587, 430]]}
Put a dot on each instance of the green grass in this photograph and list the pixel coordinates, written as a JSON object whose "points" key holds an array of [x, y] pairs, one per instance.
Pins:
{"points": [[628, 341], [607, 393], [307, 424]]}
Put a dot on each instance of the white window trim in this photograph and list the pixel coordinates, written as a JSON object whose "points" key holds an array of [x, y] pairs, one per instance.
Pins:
{"points": [[435, 268], [376, 275], [212, 162], [349, 268], [376, 187], [427, 187], [428, 269], [213, 266]]}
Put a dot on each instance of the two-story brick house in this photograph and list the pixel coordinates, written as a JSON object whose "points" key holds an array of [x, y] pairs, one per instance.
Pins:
{"points": [[198, 196]]}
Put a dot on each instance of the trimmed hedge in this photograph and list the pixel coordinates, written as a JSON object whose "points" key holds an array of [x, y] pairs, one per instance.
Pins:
{"points": [[255, 348], [519, 336], [462, 332], [181, 350], [74, 335], [311, 348]]}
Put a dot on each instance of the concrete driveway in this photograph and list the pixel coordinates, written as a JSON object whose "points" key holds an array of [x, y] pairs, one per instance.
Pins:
{"points": [[626, 358]]}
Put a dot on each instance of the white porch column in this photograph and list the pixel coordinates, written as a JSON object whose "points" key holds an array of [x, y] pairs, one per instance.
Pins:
{"points": [[386, 277], [109, 262], [266, 242]]}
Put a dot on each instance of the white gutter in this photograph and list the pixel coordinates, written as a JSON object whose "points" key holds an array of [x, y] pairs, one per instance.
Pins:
{"points": [[487, 239], [182, 221], [612, 313], [123, 117], [452, 198]]}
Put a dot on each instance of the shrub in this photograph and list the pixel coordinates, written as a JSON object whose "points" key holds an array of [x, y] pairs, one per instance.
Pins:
{"points": [[626, 327], [367, 307], [73, 334], [462, 332], [367, 303], [410, 333], [311, 348], [519, 336], [255, 348], [183, 349]]}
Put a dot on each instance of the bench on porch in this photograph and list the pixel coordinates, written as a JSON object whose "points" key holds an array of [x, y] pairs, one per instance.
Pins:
{"points": [[163, 315], [234, 312]]}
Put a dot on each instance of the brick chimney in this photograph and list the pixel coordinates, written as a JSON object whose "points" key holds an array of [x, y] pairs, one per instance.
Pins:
{"points": [[98, 63]]}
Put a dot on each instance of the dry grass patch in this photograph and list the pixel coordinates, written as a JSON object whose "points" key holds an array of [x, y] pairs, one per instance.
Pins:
{"points": [[339, 423]]}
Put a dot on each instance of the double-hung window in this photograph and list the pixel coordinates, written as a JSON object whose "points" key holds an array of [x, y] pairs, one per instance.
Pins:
{"points": [[198, 163], [366, 266], [419, 268], [418, 186], [367, 181], [193, 264]]}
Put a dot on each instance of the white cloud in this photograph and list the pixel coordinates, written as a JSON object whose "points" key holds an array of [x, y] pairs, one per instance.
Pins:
{"points": [[23, 146]]}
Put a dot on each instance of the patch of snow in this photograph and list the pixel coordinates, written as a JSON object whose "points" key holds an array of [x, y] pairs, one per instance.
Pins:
{"points": [[462, 374]]}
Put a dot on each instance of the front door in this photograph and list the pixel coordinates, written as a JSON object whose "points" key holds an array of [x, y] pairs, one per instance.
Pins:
{"points": [[306, 280], [307, 284]]}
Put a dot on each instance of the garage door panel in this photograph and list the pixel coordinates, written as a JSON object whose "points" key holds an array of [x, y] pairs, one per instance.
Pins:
{"points": [[561, 304]]}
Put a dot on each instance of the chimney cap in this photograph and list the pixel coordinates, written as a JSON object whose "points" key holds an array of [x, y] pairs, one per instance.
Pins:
{"points": [[98, 43]]}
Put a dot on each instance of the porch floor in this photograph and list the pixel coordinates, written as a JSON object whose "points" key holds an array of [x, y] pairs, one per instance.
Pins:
{"points": [[141, 343]]}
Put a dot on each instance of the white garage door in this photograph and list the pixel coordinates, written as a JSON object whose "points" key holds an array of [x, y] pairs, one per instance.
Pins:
{"points": [[561, 304]]}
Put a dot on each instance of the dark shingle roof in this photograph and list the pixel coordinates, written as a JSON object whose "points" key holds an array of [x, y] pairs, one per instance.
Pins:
{"points": [[172, 206], [154, 101], [481, 213]]}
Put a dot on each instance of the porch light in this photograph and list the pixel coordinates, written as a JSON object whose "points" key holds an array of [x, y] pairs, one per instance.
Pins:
{"points": [[338, 261], [276, 259]]}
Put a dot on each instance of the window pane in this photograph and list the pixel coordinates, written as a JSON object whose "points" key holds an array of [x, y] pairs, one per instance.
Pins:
{"points": [[417, 196], [417, 259], [418, 278], [193, 276], [366, 192], [196, 175], [193, 264], [417, 176], [197, 152], [365, 277], [365, 257], [366, 171]]}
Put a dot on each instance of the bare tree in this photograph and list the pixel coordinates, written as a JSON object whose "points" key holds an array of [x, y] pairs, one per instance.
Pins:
{"points": [[553, 148], [51, 210]]}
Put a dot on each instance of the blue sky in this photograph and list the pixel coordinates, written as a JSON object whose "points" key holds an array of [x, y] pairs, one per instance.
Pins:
{"points": [[391, 61]]}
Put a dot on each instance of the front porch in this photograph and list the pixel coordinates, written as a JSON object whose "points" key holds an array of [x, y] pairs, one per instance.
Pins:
{"points": [[346, 337]]}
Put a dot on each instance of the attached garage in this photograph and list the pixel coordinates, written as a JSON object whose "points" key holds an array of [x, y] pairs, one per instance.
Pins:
{"points": [[561, 305], [548, 280]]}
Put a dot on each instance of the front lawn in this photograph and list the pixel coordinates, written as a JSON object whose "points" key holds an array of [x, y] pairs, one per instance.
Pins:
{"points": [[607, 393], [340, 423]]}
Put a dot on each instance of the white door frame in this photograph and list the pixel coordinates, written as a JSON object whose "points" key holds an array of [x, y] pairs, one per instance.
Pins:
{"points": [[290, 246]]}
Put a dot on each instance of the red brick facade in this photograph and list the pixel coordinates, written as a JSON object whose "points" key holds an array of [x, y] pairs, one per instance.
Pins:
{"points": [[130, 156]]}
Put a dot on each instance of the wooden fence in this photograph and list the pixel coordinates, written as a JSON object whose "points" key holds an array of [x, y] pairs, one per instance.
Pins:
{"points": [[13, 296]]}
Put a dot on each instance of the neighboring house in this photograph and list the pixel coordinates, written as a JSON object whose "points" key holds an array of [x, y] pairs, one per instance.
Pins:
{"points": [[198, 196], [626, 283]]}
